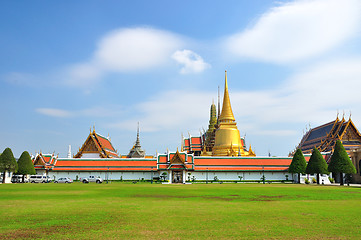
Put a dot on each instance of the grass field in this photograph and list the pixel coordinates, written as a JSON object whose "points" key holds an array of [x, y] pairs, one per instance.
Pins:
{"points": [[198, 211]]}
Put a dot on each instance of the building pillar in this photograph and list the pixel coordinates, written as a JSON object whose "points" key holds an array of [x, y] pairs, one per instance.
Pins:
{"points": [[170, 176]]}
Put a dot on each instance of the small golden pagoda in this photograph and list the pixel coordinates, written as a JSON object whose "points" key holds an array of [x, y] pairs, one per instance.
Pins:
{"points": [[227, 138]]}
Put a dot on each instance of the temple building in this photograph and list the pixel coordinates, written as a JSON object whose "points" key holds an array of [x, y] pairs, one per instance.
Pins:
{"points": [[44, 162], [324, 137]]}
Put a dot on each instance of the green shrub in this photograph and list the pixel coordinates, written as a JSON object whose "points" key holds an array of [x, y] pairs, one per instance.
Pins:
{"points": [[331, 179], [307, 181], [314, 180]]}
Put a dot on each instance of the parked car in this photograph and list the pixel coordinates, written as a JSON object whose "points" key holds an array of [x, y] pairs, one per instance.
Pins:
{"points": [[63, 180], [19, 179], [39, 179], [91, 179]]}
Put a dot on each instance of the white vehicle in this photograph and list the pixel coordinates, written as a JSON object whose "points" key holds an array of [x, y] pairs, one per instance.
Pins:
{"points": [[39, 179], [63, 180], [18, 179], [91, 179]]}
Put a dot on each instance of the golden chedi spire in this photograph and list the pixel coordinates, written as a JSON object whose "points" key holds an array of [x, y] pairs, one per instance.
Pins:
{"points": [[227, 113], [227, 138]]}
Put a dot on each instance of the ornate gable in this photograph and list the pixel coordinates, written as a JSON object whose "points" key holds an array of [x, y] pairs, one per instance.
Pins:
{"points": [[97, 144], [38, 161], [91, 146], [177, 158], [351, 133], [177, 161]]}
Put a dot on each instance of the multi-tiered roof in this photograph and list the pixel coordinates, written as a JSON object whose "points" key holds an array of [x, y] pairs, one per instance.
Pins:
{"points": [[324, 137]]}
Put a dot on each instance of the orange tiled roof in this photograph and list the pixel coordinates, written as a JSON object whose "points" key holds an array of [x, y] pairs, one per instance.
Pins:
{"points": [[105, 142], [105, 164]]}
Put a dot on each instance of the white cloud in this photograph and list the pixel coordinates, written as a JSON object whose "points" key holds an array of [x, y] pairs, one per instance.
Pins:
{"points": [[298, 30], [192, 62], [88, 112], [135, 49], [53, 112], [126, 50]]}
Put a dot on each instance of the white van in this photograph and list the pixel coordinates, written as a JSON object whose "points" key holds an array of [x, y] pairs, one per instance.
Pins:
{"points": [[19, 179], [39, 179]]}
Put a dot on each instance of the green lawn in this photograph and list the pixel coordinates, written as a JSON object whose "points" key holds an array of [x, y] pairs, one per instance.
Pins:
{"points": [[198, 211]]}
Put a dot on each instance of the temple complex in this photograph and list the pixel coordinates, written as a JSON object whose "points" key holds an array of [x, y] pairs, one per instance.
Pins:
{"points": [[220, 153]]}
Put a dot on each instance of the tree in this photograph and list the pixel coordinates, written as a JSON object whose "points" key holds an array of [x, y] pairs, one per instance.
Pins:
{"points": [[316, 165], [298, 164], [25, 165], [340, 162], [7, 162]]}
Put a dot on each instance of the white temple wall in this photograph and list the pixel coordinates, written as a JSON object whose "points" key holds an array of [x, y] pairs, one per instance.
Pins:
{"points": [[90, 155], [105, 175], [252, 176], [234, 176]]}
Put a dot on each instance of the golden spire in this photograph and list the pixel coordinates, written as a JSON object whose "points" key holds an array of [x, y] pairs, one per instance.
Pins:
{"points": [[227, 113], [227, 137]]}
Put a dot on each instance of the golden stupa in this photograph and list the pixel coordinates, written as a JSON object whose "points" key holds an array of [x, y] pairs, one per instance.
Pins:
{"points": [[227, 138]]}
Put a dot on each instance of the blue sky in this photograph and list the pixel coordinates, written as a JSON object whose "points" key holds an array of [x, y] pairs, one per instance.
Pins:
{"points": [[66, 66]]}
